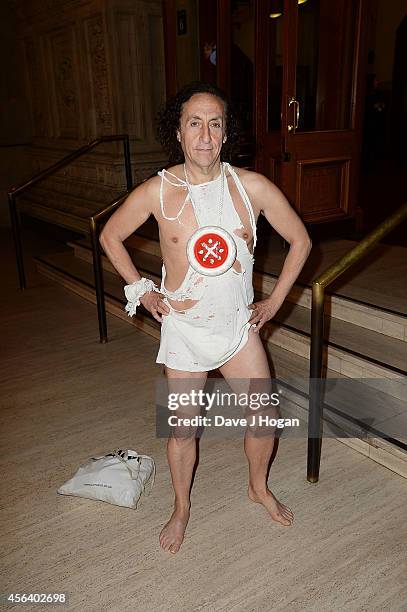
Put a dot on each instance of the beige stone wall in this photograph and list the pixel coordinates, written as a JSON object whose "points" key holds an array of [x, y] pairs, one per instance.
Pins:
{"points": [[91, 68]]}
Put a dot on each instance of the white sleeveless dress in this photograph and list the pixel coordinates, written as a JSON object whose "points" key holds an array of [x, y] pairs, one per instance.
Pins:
{"points": [[206, 336]]}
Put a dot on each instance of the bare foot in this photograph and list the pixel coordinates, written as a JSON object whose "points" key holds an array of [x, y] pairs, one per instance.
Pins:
{"points": [[278, 512], [172, 535]]}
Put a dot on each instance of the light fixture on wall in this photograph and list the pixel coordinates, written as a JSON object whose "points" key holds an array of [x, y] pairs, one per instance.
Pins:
{"points": [[277, 12], [276, 8]]}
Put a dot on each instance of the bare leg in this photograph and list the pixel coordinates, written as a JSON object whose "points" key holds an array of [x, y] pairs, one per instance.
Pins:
{"points": [[181, 454], [251, 363]]}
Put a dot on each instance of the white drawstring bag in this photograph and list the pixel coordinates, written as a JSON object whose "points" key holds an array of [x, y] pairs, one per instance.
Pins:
{"points": [[119, 478]]}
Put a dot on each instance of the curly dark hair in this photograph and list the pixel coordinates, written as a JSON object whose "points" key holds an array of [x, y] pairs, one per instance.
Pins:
{"points": [[169, 121]]}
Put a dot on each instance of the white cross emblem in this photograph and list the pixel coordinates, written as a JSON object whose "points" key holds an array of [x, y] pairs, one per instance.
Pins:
{"points": [[210, 250], [211, 255]]}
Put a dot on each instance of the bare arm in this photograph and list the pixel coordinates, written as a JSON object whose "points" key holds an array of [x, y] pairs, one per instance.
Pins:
{"points": [[287, 223], [130, 216]]}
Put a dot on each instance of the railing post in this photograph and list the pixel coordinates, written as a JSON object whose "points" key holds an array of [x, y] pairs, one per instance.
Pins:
{"points": [[127, 161], [98, 275], [16, 229], [315, 383], [93, 221]]}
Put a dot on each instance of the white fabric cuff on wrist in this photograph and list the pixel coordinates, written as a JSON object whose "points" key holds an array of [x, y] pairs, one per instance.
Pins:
{"points": [[135, 291]]}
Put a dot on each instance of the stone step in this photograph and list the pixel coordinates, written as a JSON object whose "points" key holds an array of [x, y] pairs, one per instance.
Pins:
{"points": [[352, 351], [353, 311], [275, 334], [77, 276], [379, 320]]}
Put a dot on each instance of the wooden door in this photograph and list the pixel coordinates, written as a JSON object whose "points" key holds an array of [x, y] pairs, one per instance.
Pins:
{"points": [[192, 29], [309, 77]]}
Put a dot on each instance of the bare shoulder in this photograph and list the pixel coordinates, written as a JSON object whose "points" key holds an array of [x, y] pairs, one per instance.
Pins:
{"points": [[146, 195], [253, 180], [267, 198], [177, 171], [257, 186], [150, 186]]}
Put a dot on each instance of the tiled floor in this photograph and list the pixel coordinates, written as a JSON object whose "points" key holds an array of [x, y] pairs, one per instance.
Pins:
{"points": [[65, 398]]}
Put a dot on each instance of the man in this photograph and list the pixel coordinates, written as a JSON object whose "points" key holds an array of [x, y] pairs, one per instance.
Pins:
{"points": [[207, 315]]}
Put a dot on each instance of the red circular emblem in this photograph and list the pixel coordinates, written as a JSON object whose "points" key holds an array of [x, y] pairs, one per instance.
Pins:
{"points": [[211, 250]]}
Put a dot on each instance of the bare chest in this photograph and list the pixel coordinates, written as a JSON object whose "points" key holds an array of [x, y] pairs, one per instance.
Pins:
{"points": [[180, 220]]}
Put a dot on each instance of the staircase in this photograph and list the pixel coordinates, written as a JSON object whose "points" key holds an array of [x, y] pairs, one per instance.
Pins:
{"points": [[363, 342]]}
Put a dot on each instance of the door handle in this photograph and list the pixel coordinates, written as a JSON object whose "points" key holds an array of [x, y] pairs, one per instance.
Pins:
{"points": [[294, 126]]}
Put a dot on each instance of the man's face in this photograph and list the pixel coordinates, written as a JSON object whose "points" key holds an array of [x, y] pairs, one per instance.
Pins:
{"points": [[202, 129]]}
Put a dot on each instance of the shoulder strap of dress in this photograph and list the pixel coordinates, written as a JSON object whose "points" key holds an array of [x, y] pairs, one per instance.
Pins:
{"points": [[246, 201], [180, 183]]}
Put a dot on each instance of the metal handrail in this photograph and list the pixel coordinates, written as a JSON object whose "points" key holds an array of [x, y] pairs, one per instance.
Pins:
{"points": [[93, 219], [317, 333], [74, 155]]}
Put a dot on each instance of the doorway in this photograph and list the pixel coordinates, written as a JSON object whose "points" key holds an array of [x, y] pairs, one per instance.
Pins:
{"points": [[295, 71], [384, 157]]}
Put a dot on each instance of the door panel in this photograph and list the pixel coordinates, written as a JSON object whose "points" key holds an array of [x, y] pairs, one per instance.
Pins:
{"points": [[312, 58], [322, 187], [275, 36], [306, 59], [325, 51], [321, 173]]}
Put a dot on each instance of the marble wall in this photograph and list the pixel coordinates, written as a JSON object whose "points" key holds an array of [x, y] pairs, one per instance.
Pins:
{"points": [[90, 68]]}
